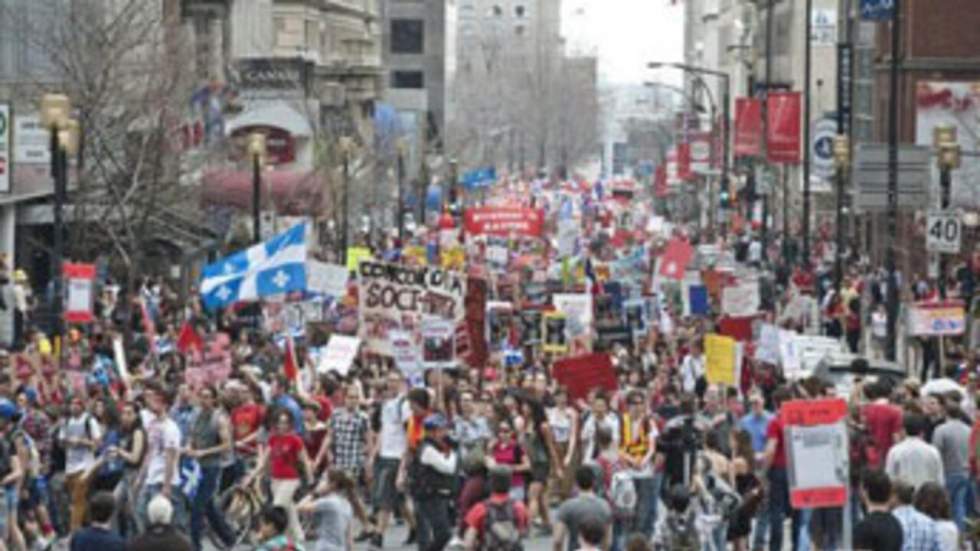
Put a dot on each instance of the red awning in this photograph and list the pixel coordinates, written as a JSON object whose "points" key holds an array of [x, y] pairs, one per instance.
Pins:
{"points": [[293, 193]]}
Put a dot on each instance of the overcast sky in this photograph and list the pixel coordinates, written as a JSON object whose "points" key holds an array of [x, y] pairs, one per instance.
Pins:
{"points": [[626, 34]]}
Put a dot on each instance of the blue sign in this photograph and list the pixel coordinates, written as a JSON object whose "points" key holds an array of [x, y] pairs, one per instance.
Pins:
{"points": [[877, 10], [480, 177]]}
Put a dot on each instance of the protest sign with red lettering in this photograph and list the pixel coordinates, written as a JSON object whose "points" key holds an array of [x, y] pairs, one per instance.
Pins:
{"points": [[816, 451], [583, 373], [80, 281], [504, 221], [212, 365]]}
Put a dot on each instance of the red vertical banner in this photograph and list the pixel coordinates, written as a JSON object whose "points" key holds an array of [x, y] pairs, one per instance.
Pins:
{"points": [[748, 127], [783, 137], [660, 181], [80, 292], [684, 161]]}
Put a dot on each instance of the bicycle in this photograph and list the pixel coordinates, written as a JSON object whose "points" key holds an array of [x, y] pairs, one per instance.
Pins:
{"points": [[241, 505]]}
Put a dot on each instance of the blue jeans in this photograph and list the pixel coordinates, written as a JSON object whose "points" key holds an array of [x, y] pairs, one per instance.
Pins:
{"points": [[646, 505], [203, 504], [958, 488], [779, 508]]}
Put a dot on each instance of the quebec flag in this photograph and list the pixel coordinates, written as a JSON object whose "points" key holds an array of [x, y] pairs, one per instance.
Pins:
{"points": [[273, 267]]}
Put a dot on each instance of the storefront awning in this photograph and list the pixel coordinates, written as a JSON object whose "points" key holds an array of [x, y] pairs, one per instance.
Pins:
{"points": [[272, 113], [293, 193]]}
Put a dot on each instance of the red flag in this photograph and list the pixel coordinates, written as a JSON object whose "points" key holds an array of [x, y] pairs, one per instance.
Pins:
{"points": [[189, 339], [748, 127], [289, 365], [684, 161], [674, 261], [784, 127], [660, 181]]}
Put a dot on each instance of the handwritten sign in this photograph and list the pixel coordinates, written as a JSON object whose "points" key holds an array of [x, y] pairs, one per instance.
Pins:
{"points": [[339, 354], [212, 365]]}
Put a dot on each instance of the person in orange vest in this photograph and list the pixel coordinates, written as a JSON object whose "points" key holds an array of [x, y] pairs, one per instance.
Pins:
{"points": [[637, 449]]}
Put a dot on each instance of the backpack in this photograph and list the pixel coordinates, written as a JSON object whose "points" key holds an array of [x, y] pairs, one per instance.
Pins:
{"points": [[500, 531], [622, 494], [680, 532]]}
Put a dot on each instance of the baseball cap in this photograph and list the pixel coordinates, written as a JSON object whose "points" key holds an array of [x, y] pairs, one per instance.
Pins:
{"points": [[8, 410]]}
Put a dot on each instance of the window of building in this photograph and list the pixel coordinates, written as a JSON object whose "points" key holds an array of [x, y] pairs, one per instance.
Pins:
{"points": [[497, 11], [519, 29], [407, 79], [407, 36], [519, 11]]}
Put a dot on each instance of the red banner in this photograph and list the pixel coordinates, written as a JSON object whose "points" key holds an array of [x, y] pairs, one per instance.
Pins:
{"points": [[684, 161], [583, 373], [784, 128], [748, 127], [813, 412], [504, 221]]}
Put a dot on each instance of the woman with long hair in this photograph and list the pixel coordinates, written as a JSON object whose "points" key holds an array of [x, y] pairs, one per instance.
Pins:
{"points": [[563, 420], [540, 445], [331, 502], [505, 449], [106, 471], [932, 500], [742, 478]]}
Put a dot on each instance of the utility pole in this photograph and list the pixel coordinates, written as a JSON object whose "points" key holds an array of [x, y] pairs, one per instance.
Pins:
{"points": [[890, 264], [771, 190], [807, 70]]}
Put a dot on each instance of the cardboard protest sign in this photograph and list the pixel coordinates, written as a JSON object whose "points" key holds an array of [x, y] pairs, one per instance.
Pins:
{"points": [[740, 300], [339, 354], [499, 324], [395, 297], [438, 344], [80, 284], [720, 354], [555, 334], [329, 279], [405, 353], [212, 365], [531, 326], [581, 374]]}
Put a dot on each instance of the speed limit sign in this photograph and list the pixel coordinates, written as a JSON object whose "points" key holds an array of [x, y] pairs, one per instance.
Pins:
{"points": [[943, 232]]}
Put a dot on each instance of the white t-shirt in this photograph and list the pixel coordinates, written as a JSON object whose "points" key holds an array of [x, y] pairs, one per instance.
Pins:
{"points": [[611, 422], [393, 440], [691, 369], [161, 435], [80, 458]]}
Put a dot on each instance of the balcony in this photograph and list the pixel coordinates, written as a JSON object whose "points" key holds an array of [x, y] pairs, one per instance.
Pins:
{"points": [[367, 9]]}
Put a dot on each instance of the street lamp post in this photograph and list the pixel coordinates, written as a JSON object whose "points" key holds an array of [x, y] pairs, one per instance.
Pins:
{"points": [[55, 110], [453, 191], [842, 160], [725, 111], [256, 153], [346, 144], [947, 159], [400, 170]]}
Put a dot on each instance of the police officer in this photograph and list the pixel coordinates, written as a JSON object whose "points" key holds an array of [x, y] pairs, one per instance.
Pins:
{"points": [[434, 484]]}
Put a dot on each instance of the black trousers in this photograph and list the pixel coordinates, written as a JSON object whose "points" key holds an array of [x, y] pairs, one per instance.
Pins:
{"points": [[432, 525]]}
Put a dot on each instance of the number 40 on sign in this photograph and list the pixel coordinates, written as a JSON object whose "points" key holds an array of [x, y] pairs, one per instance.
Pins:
{"points": [[943, 232]]}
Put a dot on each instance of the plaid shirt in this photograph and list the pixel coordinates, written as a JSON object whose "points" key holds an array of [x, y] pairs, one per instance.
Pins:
{"points": [[348, 436], [919, 532]]}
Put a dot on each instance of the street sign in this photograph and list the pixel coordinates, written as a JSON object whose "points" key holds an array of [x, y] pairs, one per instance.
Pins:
{"points": [[822, 148], [877, 10], [943, 232], [870, 176]]}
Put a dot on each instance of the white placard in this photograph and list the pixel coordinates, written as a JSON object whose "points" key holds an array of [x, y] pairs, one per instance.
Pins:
{"points": [[79, 295], [329, 279], [741, 300], [768, 347], [819, 456], [405, 353], [578, 312], [339, 354], [568, 232]]}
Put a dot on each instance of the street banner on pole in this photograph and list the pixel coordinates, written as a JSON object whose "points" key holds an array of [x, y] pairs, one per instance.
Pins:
{"points": [[936, 319], [80, 279], [748, 127], [784, 127]]}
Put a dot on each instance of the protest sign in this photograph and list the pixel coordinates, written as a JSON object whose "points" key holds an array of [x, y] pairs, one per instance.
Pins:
{"points": [[578, 312], [635, 316], [503, 221], [438, 344], [767, 350], [339, 354], [394, 297], [740, 300], [355, 255], [530, 322], [80, 281], [583, 373], [555, 333], [720, 354], [405, 353], [453, 258], [568, 233], [936, 319], [211, 365], [499, 323], [497, 256], [607, 336], [535, 294], [695, 300], [816, 452], [474, 337], [329, 279]]}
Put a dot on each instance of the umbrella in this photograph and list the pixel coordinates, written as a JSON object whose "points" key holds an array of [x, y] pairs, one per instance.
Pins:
{"points": [[943, 386]]}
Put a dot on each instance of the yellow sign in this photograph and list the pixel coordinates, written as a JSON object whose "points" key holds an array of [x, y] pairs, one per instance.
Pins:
{"points": [[720, 352], [416, 255], [355, 255]]}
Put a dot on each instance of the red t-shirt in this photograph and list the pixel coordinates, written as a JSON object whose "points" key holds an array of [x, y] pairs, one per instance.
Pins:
{"points": [[326, 407], [284, 450], [245, 420], [883, 421], [775, 432], [478, 513]]}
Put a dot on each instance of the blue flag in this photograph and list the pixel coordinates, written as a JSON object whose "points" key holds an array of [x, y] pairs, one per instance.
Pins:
{"points": [[273, 267]]}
